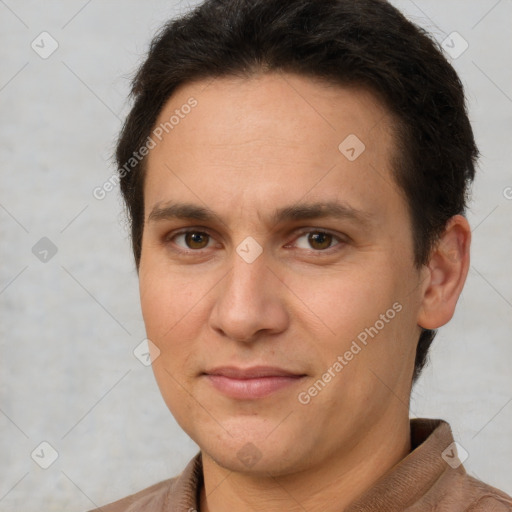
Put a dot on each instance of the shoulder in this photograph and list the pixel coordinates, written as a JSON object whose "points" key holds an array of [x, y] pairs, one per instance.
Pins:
{"points": [[460, 492], [451, 488], [180, 490], [485, 498], [150, 499]]}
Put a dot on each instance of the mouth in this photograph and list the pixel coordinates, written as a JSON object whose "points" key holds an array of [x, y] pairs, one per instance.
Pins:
{"points": [[251, 383]]}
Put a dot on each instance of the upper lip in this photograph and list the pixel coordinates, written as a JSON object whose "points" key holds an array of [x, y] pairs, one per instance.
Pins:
{"points": [[253, 372]]}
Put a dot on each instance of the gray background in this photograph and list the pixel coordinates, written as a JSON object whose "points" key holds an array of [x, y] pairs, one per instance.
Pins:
{"points": [[69, 325]]}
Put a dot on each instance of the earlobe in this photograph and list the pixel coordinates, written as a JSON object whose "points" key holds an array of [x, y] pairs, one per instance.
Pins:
{"points": [[448, 268]]}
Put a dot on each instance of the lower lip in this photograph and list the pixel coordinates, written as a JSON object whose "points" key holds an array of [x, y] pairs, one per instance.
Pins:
{"points": [[246, 389]]}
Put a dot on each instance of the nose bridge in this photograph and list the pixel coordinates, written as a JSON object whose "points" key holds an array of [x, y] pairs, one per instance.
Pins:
{"points": [[248, 275], [246, 302]]}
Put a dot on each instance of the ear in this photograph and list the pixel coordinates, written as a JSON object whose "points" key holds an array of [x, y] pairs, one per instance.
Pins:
{"points": [[446, 274]]}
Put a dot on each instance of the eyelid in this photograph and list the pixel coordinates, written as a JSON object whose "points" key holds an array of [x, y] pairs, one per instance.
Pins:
{"points": [[303, 231], [342, 239], [170, 236]]}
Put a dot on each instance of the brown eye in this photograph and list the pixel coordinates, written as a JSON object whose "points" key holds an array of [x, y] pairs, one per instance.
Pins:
{"points": [[317, 241], [196, 239], [320, 240], [189, 240]]}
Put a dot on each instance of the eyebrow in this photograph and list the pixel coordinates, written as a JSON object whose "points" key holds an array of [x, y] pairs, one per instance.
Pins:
{"points": [[295, 212]]}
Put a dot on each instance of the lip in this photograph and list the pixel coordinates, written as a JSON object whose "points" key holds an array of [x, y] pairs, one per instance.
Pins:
{"points": [[251, 383]]}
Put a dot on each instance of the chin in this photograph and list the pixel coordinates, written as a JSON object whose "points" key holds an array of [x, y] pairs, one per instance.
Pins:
{"points": [[265, 452], [251, 460]]}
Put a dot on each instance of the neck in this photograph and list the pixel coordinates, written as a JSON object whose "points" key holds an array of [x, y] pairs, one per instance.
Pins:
{"points": [[330, 487]]}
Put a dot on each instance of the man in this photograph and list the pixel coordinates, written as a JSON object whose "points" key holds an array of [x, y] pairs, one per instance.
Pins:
{"points": [[296, 177]]}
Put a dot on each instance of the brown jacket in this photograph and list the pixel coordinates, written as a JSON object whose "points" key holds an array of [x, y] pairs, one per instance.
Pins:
{"points": [[429, 479]]}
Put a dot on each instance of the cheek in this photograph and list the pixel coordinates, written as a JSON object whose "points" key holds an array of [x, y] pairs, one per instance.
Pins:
{"points": [[339, 305], [167, 309], [173, 307], [167, 298], [158, 308], [359, 314]]}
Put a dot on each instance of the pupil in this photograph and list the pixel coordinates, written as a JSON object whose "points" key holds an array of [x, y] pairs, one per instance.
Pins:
{"points": [[195, 238], [320, 238]]}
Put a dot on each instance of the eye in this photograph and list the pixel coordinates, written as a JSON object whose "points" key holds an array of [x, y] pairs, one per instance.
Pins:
{"points": [[318, 240], [192, 240]]}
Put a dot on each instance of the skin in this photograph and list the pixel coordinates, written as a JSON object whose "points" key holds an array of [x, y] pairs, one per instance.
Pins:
{"points": [[250, 146]]}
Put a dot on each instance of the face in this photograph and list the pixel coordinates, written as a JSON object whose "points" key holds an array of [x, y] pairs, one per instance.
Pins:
{"points": [[276, 277]]}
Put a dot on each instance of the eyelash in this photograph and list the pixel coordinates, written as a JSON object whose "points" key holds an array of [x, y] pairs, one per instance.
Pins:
{"points": [[169, 238]]}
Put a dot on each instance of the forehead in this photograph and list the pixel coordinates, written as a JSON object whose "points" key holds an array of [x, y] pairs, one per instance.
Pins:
{"points": [[270, 139], [230, 110]]}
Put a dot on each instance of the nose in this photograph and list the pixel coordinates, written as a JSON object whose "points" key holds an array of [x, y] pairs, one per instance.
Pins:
{"points": [[250, 301]]}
